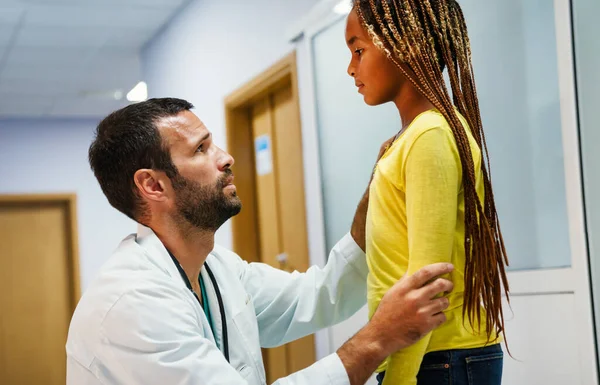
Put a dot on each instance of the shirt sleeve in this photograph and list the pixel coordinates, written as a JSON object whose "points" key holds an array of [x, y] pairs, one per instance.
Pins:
{"points": [[432, 173], [292, 305]]}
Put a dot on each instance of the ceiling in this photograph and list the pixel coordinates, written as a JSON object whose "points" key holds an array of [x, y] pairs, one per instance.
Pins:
{"points": [[63, 58]]}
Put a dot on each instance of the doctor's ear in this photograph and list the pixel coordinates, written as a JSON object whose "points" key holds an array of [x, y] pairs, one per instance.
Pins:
{"points": [[150, 184]]}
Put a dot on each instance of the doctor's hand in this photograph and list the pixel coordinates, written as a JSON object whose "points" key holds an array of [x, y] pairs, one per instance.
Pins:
{"points": [[408, 311], [360, 216], [382, 151], [412, 308]]}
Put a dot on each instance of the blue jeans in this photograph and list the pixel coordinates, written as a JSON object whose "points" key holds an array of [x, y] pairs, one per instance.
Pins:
{"points": [[481, 366]]}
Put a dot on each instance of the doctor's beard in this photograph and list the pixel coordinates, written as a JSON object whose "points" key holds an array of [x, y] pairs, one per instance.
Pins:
{"points": [[205, 207]]}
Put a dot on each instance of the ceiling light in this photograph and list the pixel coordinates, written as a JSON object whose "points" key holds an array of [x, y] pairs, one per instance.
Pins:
{"points": [[139, 93], [343, 7]]}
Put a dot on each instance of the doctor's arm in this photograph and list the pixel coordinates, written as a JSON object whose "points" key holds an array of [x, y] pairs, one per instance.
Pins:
{"points": [[407, 312], [289, 306], [153, 337]]}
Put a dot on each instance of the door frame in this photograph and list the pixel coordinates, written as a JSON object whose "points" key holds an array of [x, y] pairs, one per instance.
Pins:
{"points": [[240, 144], [70, 202]]}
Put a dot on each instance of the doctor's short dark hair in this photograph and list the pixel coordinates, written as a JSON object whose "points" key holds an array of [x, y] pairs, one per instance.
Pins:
{"points": [[128, 140]]}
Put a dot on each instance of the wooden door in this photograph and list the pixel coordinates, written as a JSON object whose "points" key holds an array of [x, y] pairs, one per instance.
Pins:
{"points": [[280, 208], [264, 117], [39, 287]]}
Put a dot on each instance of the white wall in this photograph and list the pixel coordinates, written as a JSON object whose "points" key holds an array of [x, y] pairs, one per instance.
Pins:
{"points": [[50, 156], [212, 48]]}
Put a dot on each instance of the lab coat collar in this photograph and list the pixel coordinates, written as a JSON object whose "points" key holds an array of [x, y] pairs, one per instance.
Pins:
{"points": [[158, 254]]}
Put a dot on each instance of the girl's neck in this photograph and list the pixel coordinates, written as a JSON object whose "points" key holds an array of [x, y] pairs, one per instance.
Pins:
{"points": [[410, 104]]}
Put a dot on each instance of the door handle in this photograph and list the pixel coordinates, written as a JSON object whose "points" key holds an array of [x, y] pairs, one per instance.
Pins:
{"points": [[282, 259]]}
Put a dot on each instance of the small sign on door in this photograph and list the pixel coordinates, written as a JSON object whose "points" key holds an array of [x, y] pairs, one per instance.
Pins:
{"points": [[264, 160]]}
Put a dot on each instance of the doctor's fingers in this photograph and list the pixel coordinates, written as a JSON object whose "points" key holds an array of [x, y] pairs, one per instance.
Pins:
{"points": [[426, 276]]}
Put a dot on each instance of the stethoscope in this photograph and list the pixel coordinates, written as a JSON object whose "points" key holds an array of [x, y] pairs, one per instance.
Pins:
{"points": [[219, 299]]}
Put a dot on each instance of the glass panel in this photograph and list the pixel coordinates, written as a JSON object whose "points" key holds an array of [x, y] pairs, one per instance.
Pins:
{"points": [[587, 61], [350, 132], [514, 56]]}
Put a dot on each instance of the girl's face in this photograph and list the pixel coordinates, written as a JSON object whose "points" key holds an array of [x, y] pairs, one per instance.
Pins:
{"points": [[377, 78]]}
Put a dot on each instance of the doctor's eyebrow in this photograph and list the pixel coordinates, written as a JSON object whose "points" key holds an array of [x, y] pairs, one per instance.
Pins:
{"points": [[204, 138]]}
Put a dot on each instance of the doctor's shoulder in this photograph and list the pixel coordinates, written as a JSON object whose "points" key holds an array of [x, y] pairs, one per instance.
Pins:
{"points": [[128, 276], [222, 257]]}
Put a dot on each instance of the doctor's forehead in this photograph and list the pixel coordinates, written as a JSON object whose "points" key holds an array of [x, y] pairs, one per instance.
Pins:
{"points": [[184, 128]]}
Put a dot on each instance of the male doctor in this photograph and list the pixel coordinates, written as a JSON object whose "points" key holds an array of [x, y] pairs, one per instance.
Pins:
{"points": [[171, 307]]}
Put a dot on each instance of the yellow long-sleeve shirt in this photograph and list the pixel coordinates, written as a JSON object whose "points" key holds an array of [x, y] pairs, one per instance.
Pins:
{"points": [[415, 218]]}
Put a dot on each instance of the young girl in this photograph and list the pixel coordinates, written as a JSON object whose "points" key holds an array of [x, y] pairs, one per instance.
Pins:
{"points": [[431, 197]]}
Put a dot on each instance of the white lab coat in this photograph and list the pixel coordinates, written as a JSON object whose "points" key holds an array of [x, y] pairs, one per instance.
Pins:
{"points": [[138, 323]]}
